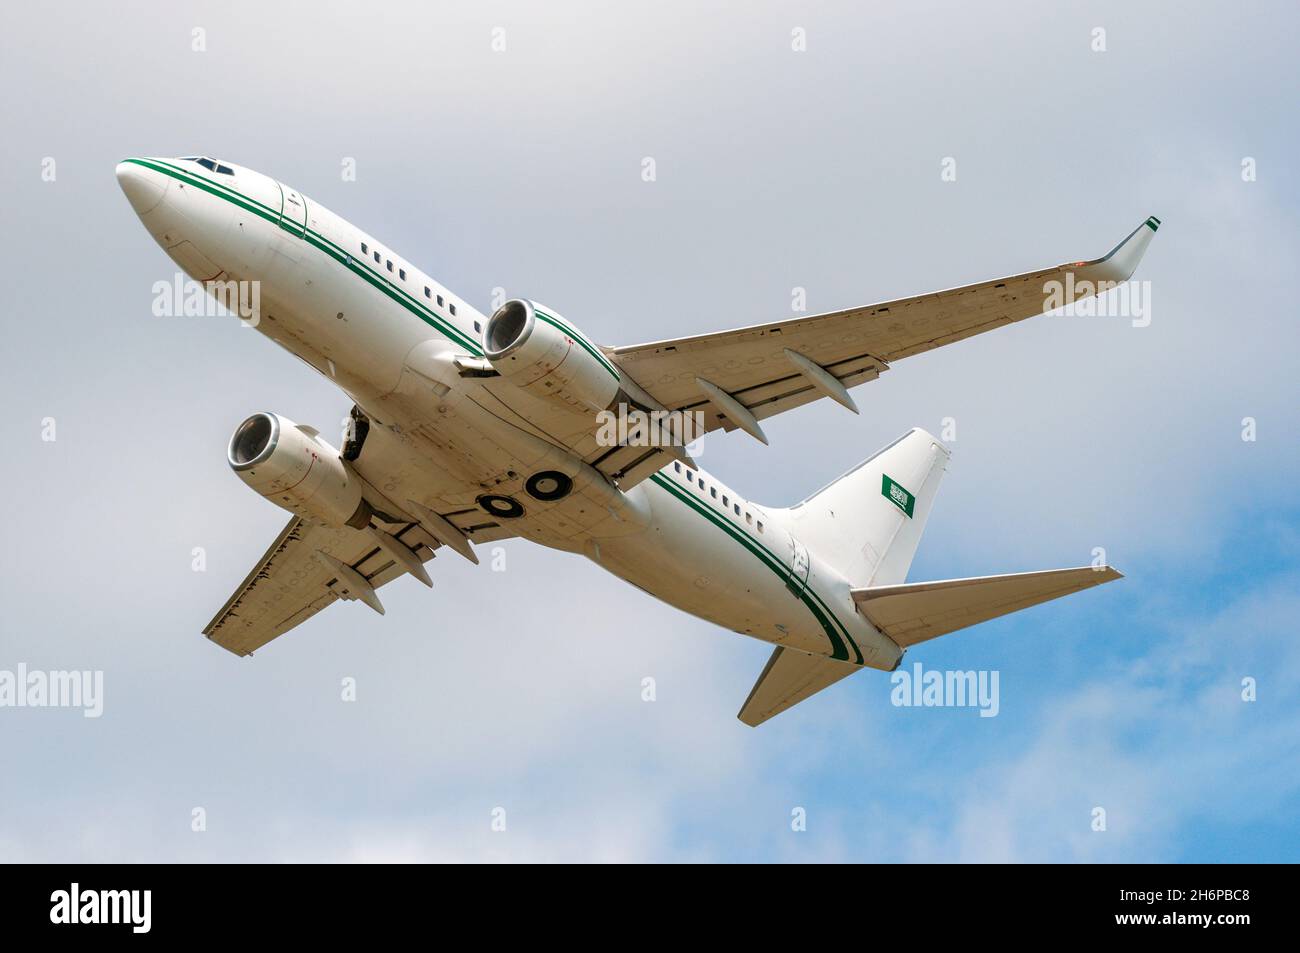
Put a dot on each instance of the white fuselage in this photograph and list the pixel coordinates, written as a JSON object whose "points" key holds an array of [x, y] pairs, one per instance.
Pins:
{"points": [[390, 336]]}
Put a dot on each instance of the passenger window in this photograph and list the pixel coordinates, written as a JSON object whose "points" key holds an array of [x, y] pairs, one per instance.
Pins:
{"points": [[749, 518], [402, 272], [725, 502], [677, 468], [427, 293], [477, 326], [376, 258], [364, 249], [760, 526], [389, 264], [713, 492], [440, 301], [453, 309], [737, 507], [701, 483]]}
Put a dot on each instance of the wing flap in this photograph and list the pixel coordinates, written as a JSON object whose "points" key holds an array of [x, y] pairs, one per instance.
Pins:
{"points": [[917, 612]]}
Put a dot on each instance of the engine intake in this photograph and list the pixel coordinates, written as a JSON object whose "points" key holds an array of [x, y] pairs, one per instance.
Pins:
{"points": [[294, 468], [538, 351]]}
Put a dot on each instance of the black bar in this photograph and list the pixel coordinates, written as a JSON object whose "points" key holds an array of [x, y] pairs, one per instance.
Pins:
{"points": [[243, 902]]}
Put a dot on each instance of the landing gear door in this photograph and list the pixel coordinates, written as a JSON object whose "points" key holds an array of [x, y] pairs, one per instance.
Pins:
{"points": [[293, 211]]}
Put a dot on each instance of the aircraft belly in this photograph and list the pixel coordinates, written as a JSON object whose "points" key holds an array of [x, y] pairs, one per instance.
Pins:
{"points": [[694, 566], [488, 457]]}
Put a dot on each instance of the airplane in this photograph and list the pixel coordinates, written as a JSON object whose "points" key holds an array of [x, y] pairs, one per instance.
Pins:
{"points": [[468, 428]]}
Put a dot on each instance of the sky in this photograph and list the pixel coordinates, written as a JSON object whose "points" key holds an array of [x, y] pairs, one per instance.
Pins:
{"points": [[493, 699]]}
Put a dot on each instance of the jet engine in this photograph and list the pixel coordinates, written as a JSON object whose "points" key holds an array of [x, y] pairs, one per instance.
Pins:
{"points": [[538, 351], [294, 468]]}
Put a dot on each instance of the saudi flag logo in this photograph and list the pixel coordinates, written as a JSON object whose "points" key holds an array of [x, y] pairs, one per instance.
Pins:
{"points": [[896, 494]]}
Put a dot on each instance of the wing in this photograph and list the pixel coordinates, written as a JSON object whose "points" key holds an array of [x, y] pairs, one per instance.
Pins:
{"points": [[789, 677], [740, 377], [310, 565]]}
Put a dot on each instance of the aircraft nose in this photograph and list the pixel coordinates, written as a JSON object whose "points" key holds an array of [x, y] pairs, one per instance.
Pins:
{"points": [[144, 188]]}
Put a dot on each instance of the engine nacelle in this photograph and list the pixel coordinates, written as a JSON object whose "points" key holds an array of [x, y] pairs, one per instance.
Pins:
{"points": [[294, 468], [538, 351]]}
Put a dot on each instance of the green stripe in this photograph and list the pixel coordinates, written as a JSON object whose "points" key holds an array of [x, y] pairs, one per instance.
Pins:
{"points": [[821, 612], [319, 241], [587, 345]]}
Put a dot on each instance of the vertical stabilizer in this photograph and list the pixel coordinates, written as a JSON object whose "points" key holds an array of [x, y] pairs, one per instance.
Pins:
{"points": [[868, 523]]}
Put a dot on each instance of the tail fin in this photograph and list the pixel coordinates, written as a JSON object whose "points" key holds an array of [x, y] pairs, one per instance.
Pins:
{"points": [[868, 523]]}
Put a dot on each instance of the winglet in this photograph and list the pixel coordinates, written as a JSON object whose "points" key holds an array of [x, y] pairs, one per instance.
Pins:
{"points": [[1122, 260]]}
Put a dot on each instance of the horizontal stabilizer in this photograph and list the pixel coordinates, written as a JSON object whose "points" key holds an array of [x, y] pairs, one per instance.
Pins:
{"points": [[918, 612], [789, 677]]}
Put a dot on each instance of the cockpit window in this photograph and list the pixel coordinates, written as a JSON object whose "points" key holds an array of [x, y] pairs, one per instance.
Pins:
{"points": [[209, 164]]}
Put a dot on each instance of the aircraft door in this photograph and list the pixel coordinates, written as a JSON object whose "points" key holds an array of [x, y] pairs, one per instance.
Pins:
{"points": [[799, 567], [293, 211]]}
